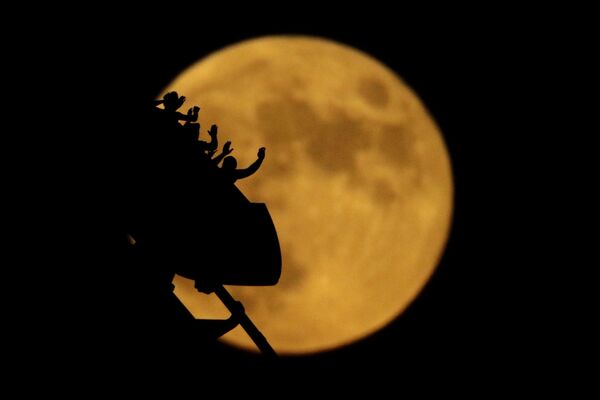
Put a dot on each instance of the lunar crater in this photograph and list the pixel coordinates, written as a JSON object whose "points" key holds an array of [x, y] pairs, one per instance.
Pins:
{"points": [[374, 92]]}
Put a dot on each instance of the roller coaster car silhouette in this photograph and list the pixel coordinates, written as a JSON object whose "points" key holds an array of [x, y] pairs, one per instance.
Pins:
{"points": [[210, 233], [189, 220], [241, 248]]}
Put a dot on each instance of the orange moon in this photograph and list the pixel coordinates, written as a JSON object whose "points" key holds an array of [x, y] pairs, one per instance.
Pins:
{"points": [[357, 179]]}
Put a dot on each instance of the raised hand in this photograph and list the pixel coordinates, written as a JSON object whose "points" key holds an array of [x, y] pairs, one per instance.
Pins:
{"points": [[213, 130], [261, 153], [227, 148]]}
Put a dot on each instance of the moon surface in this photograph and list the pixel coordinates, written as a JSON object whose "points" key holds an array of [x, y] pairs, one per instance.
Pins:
{"points": [[357, 179]]}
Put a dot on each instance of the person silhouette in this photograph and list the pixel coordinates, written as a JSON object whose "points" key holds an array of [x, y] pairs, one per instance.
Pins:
{"points": [[225, 152], [190, 135], [208, 148], [231, 174], [171, 103]]}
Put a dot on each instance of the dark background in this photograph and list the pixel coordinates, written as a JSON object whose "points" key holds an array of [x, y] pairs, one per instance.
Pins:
{"points": [[477, 76]]}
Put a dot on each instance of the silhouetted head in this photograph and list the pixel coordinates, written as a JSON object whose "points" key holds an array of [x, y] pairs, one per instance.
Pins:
{"points": [[229, 163], [172, 101], [192, 129], [192, 126]]}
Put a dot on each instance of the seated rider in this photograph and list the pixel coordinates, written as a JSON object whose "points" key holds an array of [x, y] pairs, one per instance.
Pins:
{"points": [[171, 103], [231, 174]]}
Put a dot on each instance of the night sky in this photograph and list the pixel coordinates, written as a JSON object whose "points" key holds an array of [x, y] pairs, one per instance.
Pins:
{"points": [[469, 72]]}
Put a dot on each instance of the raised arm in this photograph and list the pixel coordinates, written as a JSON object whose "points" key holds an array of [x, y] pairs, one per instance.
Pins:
{"points": [[226, 150], [191, 116], [244, 173], [214, 142]]}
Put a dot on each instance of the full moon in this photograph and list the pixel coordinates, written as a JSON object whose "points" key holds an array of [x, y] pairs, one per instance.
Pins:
{"points": [[357, 179]]}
